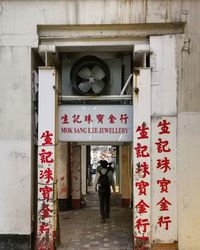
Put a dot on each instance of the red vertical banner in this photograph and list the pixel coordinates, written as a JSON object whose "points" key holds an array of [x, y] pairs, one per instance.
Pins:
{"points": [[141, 160], [46, 160]]}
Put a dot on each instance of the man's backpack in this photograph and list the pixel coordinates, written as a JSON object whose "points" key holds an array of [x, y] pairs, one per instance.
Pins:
{"points": [[103, 183]]}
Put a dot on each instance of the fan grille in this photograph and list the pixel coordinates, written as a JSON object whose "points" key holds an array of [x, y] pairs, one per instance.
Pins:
{"points": [[90, 76]]}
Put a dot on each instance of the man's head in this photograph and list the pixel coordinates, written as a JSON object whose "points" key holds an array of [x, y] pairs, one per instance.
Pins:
{"points": [[104, 163]]}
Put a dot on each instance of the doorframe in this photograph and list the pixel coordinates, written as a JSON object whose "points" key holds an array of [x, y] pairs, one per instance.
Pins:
{"points": [[100, 36]]}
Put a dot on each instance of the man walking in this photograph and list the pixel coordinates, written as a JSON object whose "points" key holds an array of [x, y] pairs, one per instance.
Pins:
{"points": [[104, 179]]}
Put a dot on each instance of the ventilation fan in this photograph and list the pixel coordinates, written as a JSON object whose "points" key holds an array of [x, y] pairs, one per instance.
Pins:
{"points": [[90, 75]]}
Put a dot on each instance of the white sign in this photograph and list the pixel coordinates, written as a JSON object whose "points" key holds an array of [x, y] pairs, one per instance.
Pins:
{"points": [[110, 123]]}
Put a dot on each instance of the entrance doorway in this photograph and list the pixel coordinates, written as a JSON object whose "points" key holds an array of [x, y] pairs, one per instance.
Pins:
{"points": [[121, 67], [80, 228], [95, 105], [103, 152], [77, 167]]}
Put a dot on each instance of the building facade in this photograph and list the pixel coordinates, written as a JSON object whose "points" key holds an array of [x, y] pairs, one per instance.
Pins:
{"points": [[36, 33]]}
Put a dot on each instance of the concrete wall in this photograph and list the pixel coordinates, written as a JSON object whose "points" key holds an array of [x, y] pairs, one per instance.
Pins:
{"points": [[15, 140], [18, 32], [125, 175], [188, 60], [188, 132], [189, 176]]}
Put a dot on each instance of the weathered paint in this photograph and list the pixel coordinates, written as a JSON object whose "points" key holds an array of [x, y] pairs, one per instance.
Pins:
{"points": [[125, 174], [46, 207], [164, 113], [62, 170], [83, 170], [76, 176], [188, 180], [70, 37], [15, 141], [141, 159], [164, 75], [18, 28], [189, 60], [164, 185], [14, 14]]}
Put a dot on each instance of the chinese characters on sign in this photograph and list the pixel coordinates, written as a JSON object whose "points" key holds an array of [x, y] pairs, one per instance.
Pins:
{"points": [[142, 181], [45, 185], [95, 123], [164, 176], [100, 118], [46, 206], [163, 186], [87, 119], [142, 159], [163, 165]]}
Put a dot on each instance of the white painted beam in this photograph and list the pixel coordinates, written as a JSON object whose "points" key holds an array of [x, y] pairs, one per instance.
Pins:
{"points": [[142, 159]]}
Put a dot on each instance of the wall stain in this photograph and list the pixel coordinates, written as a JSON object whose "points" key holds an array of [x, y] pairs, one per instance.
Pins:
{"points": [[18, 155]]}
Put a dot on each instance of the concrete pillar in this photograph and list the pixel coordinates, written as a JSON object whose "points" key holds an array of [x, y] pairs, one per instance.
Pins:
{"points": [[76, 176], [126, 175], [63, 190], [83, 170], [47, 140]]}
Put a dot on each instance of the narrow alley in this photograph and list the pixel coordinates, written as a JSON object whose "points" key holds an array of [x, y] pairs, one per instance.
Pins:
{"points": [[82, 229]]}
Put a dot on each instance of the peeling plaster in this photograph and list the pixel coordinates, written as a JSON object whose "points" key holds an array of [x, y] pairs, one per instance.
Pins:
{"points": [[18, 155]]}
